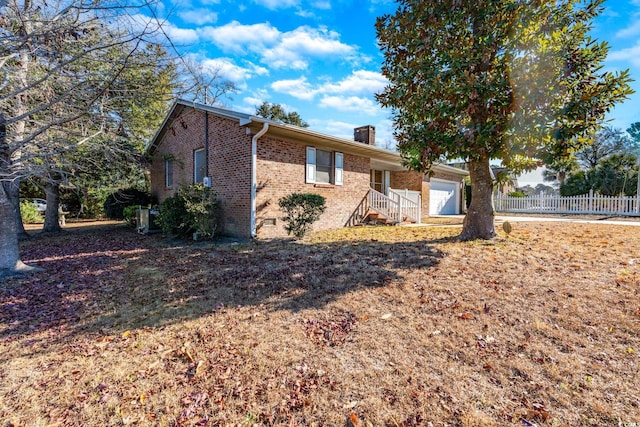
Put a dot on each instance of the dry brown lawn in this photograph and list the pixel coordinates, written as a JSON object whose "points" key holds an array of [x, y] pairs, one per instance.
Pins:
{"points": [[387, 326]]}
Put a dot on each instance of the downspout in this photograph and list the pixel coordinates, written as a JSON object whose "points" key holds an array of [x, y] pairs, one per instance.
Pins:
{"points": [[206, 143], [254, 178]]}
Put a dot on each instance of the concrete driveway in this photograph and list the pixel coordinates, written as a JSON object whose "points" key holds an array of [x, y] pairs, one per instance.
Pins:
{"points": [[584, 219], [632, 221]]}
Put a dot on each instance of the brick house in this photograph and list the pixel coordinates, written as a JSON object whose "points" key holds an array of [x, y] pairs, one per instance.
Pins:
{"points": [[252, 162]]}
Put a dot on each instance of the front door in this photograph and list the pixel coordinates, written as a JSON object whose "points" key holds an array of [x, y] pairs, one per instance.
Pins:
{"points": [[380, 181]]}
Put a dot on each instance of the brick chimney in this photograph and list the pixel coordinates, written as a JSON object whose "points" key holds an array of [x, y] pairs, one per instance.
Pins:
{"points": [[365, 134]]}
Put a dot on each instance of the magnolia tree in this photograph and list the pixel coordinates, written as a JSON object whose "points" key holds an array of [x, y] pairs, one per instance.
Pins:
{"points": [[493, 79]]}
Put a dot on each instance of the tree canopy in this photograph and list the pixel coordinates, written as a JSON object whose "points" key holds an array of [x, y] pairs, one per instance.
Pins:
{"points": [[82, 86], [634, 131], [615, 175], [276, 113], [493, 79], [605, 142]]}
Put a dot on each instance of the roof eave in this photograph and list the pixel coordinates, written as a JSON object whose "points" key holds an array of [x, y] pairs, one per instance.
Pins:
{"points": [[449, 169], [304, 135], [312, 137]]}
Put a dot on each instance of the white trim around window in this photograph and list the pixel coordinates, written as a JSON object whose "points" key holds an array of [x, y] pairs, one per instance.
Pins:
{"points": [[311, 165], [339, 168], [199, 167], [168, 173], [324, 167]]}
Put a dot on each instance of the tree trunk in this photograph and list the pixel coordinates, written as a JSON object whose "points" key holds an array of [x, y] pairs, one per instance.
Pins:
{"points": [[562, 177], [9, 253], [12, 189], [51, 216], [8, 237], [479, 221]]}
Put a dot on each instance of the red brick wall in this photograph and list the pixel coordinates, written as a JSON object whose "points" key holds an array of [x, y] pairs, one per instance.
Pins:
{"points": [[447, 176], [281, 171], [229, 164], [409, 180]]}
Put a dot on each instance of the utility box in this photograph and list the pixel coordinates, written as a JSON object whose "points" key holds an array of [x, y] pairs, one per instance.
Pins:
{"points": [[146, 221]]}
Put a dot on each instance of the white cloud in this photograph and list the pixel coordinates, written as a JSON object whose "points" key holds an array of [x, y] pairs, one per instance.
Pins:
{"points": [[181, 35], [289, 50], [630, 31], [359, 82], [227, 69], [350, 103], [340, 129], [296, 46], [631, 54], [199, 16], [276, 4], [253, 102], [257, 69], [151, 26], [255, 99], [236, 37], [298, 88], [336, 128], [384, 135], [322, 4], [377, 4]]}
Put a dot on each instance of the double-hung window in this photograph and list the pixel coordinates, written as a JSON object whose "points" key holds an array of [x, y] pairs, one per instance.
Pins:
{"points": [[199, 166], [324, 167]]}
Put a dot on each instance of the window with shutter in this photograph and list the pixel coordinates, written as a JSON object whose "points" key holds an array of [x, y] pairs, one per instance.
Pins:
{"points": [[324, 167], [338, 168]]}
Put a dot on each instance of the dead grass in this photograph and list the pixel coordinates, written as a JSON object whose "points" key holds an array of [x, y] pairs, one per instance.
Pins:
{"points": [[365, 326]]}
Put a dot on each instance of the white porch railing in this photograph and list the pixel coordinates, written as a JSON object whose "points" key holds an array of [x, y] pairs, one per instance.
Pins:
{"points": [[396, 207], [584, 204]]}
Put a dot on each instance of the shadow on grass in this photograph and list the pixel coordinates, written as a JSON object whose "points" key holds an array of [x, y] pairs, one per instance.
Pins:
{"points": [[107, 282]]}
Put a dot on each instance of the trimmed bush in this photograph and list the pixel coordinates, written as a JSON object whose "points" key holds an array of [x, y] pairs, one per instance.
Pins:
{"points": [[302, 210], [130, 214], [116, 202], [29, 212], [516, 193], [194, 209]]}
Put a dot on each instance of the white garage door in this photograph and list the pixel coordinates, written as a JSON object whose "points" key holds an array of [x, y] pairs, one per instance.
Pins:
{"points": [[444, 197]]}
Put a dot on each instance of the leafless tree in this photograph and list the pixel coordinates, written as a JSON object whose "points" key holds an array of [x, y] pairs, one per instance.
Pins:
{"points": [[60, 64]]}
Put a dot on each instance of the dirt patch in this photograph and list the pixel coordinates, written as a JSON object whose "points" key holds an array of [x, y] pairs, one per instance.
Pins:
{"points": [[365, 326], [79, 226]]}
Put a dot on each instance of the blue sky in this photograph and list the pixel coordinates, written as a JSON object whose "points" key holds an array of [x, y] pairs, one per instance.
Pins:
{"points": [[320, 58]]}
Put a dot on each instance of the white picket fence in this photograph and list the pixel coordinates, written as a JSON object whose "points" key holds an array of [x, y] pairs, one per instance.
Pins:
{"points": [[584, 204]]}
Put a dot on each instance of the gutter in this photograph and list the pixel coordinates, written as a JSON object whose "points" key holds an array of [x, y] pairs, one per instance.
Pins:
{"points": [[254, 180]]}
